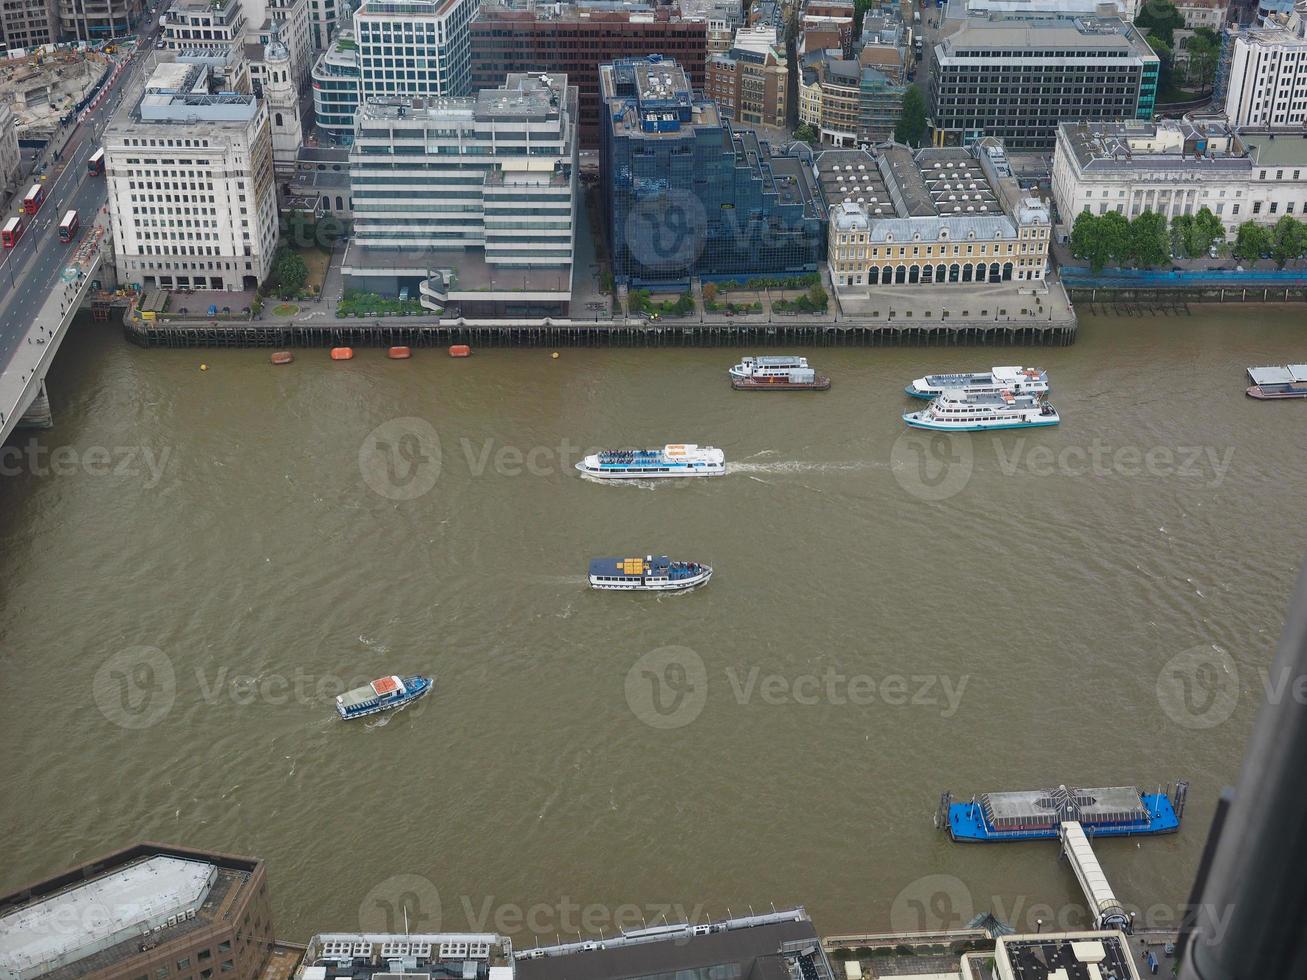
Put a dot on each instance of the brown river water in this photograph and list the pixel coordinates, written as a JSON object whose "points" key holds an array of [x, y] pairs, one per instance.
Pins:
{"points": [[192, 565]]}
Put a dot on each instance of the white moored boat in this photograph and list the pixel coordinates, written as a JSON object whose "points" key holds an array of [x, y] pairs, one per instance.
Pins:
{"points": [[959, 412], [1018, 380], [768, 366], [675, 459]]}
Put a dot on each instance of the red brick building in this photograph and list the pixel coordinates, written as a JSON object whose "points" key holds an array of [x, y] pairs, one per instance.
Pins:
{"points": [[148, 912], [577, 41]]}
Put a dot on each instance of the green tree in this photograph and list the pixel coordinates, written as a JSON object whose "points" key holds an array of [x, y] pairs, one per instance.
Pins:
{"points": [[1252, 242], [1201, 69], [1183, 238], [1288, 240], [1161, 19], [817, 296], [1208, 227], [1149, 243], [289, 273], [806, 134], [911, 127], [1100, 239], [1166, 59]]}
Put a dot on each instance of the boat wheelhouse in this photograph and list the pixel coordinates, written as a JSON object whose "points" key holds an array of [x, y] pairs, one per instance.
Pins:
{"points": [[650, 573], [1018, 380], [383, 694], [675, 459], [769, 365], [955, 411]]}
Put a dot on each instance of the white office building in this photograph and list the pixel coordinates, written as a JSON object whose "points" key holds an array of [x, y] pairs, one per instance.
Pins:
{"points": [[468, 202], [1267, 79], [414, 47], [10, 159], [191, 193], [1178, 167]]}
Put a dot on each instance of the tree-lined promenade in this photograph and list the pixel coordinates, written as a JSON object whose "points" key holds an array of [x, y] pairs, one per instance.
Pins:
{"points": [[1147, 240]]}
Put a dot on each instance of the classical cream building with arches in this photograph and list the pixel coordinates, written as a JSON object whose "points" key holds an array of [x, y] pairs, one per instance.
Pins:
{"points": [[937, 217]]}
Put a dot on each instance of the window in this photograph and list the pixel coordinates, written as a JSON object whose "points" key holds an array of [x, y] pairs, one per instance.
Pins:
{"points": [[224, 946], [183, 964]]}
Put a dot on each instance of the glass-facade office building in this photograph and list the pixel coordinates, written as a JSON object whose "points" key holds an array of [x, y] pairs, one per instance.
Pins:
{"points": [[689, 196]]}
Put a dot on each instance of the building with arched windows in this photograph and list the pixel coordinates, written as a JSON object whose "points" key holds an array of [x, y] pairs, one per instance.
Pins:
{"points": [[934, 217]]}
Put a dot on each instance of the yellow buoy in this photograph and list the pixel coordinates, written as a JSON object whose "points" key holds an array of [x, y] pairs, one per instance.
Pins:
{"points": [[204, 367], [554, 355]]}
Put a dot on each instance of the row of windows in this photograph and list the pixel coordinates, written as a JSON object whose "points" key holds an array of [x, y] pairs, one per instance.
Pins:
{"points": [[877, 252]]}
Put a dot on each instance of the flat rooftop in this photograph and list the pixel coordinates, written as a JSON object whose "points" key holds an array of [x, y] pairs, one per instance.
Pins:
{"points": [[782, 946], [1087, 38], [449, 956], [1276, 149], [1070, 956], [1135, 144], [92, 918], [82, 920], [1109, 802], [473, 274]]}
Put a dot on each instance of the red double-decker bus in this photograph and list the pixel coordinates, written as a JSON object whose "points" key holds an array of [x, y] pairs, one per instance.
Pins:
{"points": [[95, 165], [13, 230], [68, 227], [34, 199]]}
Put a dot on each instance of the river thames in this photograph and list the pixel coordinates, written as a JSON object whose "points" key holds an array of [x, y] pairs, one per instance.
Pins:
{"points": [[192, 565]]}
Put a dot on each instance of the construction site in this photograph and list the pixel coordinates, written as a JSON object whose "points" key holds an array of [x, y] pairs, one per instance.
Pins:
{"points": [[45, 87]]}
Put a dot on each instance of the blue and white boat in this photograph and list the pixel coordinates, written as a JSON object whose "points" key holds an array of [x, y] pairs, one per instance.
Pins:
{"points": [[676, 459], [954, 411], [1018, 380], [383, 694], [650, 574]]}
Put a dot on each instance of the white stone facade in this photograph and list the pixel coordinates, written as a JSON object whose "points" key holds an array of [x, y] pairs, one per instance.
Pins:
{"points": [[1176, 168], [191, 193]]}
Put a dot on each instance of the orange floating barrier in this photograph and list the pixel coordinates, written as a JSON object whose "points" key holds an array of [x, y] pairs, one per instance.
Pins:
{"points": [[460, 350], [399, 353], [282, 357], [342, 353]]}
